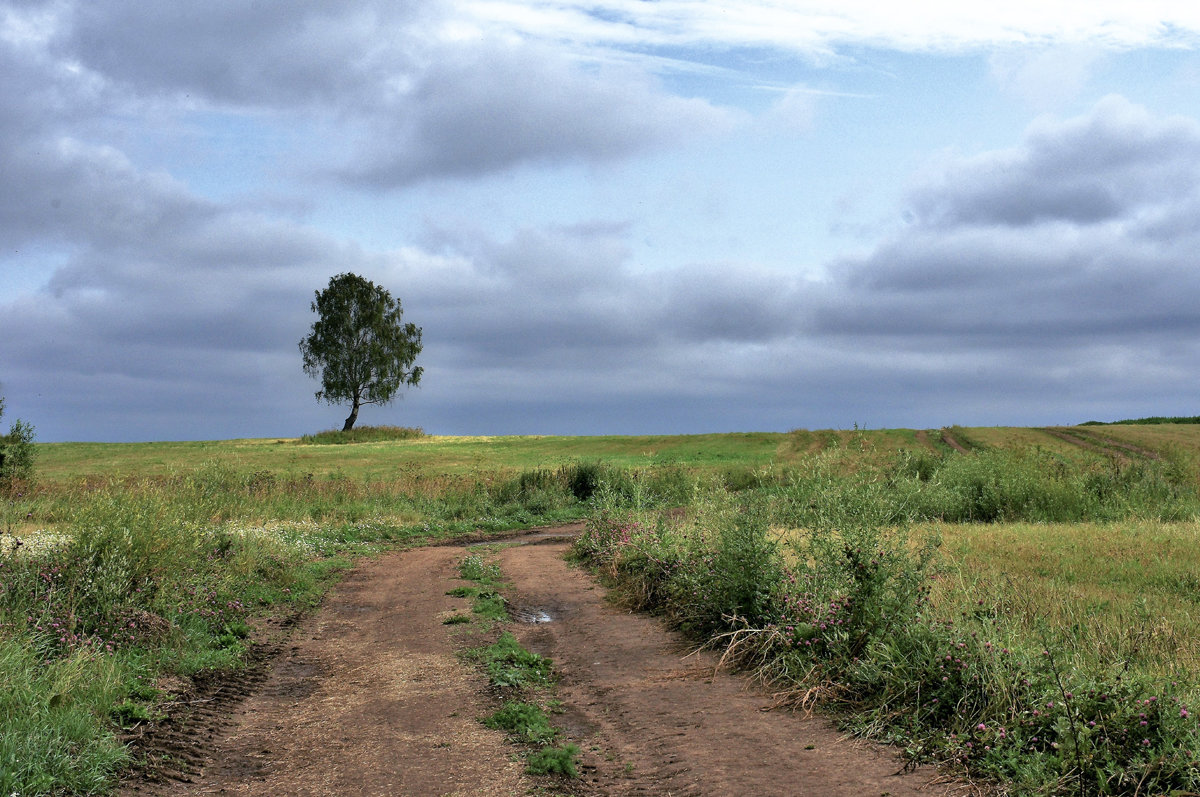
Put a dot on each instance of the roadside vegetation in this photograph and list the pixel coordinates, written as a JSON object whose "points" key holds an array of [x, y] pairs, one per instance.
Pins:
{"points": [[1020, 617], [1026, 610]]}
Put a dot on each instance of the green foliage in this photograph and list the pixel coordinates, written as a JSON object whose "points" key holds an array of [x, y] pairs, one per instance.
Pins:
{"points": [[474, 567], [1153, 420], [50, 740], [17, 452], [359, 346], [145, 583], [488, 604], [188, 554]]}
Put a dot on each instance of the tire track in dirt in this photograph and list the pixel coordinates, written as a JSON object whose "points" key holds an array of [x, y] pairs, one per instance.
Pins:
{"points": [[172, 750]]}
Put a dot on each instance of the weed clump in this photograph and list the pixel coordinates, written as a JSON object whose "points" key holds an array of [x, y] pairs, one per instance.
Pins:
{"points": [[509, 664], [525, 721], [554, 760]]}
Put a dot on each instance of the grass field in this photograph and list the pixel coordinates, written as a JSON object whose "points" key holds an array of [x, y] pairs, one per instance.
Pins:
{"points": [[122, 564], [440, 456]]}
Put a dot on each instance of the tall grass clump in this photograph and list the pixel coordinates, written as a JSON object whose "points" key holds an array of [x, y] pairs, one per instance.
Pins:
{"points": [[825, 588], [363, 434]]}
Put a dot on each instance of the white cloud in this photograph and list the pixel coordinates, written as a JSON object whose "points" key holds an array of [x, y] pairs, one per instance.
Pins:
{"points": [[820, 27]]}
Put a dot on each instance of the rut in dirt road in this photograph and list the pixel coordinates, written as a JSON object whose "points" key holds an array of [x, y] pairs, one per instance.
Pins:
{"points": [[652, 719]]}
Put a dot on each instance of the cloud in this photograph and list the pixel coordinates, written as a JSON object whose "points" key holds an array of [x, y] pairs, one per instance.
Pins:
{"points": [[1074, 241], [1110, 164], [164, 299], [230, 53], [382, 94], [820, 27], [490, 107], [1062, 266]]}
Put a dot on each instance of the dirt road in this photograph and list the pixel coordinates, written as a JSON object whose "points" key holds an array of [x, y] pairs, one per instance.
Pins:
{"points": [[368, 697]]}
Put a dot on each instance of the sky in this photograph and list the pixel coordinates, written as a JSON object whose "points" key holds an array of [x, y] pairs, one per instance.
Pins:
{"points": [[607, 217]]}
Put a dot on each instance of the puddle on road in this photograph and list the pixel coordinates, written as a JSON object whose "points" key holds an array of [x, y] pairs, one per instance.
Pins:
{"points": [[532, 616]]}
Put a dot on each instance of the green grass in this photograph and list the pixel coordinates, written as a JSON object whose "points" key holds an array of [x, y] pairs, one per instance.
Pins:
{"points": [[1088, 553], [1122, 591], [1154, 420], [508, 664], [513, 669], [432, 455]]}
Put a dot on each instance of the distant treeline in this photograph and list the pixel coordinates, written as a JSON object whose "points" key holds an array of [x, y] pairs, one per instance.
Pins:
{"points": [[1155, 419]]}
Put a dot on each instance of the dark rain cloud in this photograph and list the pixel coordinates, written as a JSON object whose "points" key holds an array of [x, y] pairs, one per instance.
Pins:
{"points": [[380, 97]]}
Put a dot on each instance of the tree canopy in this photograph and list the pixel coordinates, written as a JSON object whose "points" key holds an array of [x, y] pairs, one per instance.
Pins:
{"points": [[359, 346]]}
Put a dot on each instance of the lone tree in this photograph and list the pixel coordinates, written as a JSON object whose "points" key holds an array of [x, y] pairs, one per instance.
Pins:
{"points": [[358, 347]]}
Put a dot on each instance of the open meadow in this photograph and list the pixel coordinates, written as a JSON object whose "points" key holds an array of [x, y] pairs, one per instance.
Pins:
{"points": [[1022, 605]]}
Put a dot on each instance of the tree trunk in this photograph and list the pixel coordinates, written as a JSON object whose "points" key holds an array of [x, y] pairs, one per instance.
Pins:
{"points": [[353, 417]]}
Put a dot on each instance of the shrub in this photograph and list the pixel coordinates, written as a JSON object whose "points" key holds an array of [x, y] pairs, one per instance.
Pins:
{"points": [[17, 452]]}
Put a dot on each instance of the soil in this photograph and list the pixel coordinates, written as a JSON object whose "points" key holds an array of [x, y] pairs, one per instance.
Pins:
{"points": [[367, 696]]}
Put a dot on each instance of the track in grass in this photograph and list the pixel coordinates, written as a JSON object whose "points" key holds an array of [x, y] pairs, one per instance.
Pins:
{"points": [[1100, 444]]}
